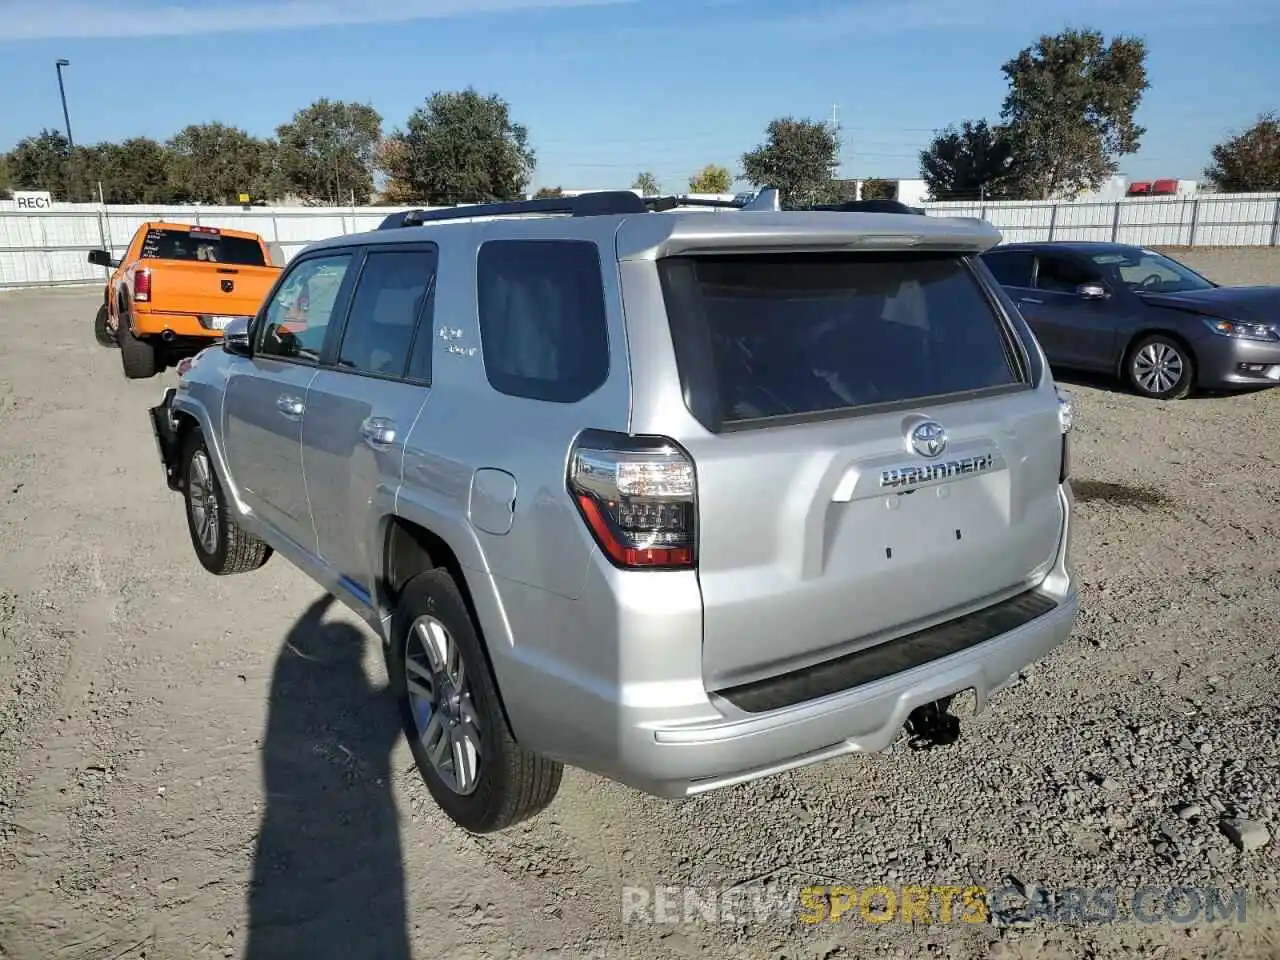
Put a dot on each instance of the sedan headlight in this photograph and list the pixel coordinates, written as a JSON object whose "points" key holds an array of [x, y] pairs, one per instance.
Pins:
{"points": [[1240, 330]]}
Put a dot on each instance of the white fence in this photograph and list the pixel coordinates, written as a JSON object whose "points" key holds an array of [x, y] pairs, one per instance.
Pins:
{"points": [[49, 247]]}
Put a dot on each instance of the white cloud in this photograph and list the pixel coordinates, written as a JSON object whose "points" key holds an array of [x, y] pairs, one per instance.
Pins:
{"points": [[49, 19]]}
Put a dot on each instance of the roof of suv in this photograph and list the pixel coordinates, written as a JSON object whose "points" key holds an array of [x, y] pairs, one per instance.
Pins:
{"points": [[646, 236], [1085, 247]]}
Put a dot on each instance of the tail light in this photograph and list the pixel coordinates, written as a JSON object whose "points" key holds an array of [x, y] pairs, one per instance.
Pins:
{"points": [[1066, 420], [638, 497], [142, 286]]}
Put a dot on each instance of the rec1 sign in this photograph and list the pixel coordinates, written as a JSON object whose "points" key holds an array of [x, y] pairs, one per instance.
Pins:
{"points": [[33, 199]]}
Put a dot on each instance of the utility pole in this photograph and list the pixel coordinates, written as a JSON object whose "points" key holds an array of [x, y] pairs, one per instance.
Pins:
{"points": [[62, 91]]}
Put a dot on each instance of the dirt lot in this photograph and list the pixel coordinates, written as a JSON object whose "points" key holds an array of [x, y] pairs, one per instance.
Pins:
{"points": [[201, 767]]}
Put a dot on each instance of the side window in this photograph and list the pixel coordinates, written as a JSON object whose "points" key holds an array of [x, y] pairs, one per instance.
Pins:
{"points": [[542, 318], [1060, 275], [1010, 269], [298, 316], [385, 308]]}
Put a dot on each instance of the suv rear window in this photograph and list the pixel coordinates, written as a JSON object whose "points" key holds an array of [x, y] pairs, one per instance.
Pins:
{"points": [[794, 335], [212, 247]]}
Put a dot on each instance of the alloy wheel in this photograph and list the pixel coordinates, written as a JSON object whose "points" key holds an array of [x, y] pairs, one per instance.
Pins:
{"points": [[444, 714]]}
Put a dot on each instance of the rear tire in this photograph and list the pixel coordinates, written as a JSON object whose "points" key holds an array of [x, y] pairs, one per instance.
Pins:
{"points": [[1160, 368], [505, 783], [221, 546], [102, 331], [138, 357]]}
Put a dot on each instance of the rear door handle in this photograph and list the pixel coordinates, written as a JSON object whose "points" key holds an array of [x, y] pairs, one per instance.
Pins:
{"points": [[291, 407], [1029, 300], [378, 432]]}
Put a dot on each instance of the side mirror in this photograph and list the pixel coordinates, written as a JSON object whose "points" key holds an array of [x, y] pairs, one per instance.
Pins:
{"points": [[103, 258], [1092, 291], [235, 339]]}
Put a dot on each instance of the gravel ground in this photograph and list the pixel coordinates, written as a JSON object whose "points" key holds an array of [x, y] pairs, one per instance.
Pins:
{"points": [[193, 766]]}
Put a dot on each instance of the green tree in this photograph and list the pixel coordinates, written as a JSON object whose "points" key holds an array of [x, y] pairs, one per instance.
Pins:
{"points": [[327, 151], [6, 190], [1248, 162], [391, 156], [215, 163], [647, 184], [712, 178], [135, 171], [799, 158], [546, 193], [462, 147], [1070, 107], [40, 163], [875, 189], [970, 162]]}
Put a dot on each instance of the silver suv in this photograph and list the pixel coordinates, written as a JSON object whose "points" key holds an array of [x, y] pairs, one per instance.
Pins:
{"points": [[684, 498]]}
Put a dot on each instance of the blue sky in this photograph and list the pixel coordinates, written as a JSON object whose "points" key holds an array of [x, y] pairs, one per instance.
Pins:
{"points": [[610, 87]]}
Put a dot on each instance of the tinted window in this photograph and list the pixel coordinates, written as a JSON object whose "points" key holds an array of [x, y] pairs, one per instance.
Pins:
{"points": [[778, 335], [1062, 274], [298, 316], [1010, 269], [542, 318], [384, 310], [212, 247]]}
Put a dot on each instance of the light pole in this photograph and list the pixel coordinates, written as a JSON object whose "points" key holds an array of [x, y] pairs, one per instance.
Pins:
{"points": [[62, 90]]}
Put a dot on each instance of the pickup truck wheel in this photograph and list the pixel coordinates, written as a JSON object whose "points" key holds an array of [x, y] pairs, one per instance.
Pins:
{"points": [[221, 545], [457, 731], [137, 356], [102, 331]]}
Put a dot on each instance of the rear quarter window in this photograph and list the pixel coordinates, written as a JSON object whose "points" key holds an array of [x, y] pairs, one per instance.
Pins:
{"points": [[760, 338], [542, 318]]}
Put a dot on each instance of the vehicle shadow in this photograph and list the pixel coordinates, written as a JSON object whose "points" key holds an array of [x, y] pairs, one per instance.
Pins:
{"points": [[328, 875], [1110, 384]]}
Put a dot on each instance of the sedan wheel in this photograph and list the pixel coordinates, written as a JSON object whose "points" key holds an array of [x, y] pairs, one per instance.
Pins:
{"points": [[1161, 368]]}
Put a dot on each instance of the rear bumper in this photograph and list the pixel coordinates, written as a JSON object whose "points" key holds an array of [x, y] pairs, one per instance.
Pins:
{"points": [[1224, 363], [166, 434], [185, 325]]}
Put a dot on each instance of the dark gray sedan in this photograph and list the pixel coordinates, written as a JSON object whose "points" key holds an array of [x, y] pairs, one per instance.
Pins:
{"points": [[1141, 315]]}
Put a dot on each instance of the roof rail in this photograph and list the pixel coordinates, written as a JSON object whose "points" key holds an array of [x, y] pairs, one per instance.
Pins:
{"points": [[883, 205], [598, 204]]}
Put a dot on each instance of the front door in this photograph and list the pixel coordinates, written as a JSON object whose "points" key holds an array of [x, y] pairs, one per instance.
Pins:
{"points": [[265, 397], [1075, 331], [363, 403]]}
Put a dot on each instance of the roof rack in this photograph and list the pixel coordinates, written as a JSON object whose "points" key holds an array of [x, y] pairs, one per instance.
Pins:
{"points": [[869, 206], [601, 203]]}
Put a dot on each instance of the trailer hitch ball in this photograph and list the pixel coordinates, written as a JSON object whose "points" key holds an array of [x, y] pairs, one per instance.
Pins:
{"points": [[932, 725]]}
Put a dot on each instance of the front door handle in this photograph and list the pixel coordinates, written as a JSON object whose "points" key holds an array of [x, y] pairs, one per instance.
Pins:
{"points": [[378, 432], [1029, 300], [291, 407]]}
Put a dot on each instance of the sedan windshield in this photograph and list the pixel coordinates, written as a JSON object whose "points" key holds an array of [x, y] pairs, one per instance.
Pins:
{"points": [[1145, 271]]}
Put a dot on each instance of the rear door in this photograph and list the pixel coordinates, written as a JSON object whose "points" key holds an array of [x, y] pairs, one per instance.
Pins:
{"points": [[265, 395], [874, 455], [363, 402]]}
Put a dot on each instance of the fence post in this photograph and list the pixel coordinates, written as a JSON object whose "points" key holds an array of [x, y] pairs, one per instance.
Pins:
{"points": [[197, 211], [1115, 223], [102, 235], [1053, 219], [1275, 225], [1195, 217]]}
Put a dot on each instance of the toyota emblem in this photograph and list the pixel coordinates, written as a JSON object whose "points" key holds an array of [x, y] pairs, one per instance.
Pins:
{"points": [[929, 439]]}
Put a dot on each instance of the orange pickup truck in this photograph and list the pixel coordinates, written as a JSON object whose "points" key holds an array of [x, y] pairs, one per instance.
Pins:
{"points": [[176, 289]]}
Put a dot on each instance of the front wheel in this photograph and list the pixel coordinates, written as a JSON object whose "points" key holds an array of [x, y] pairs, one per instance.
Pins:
{"points": [[221, 545], [449, 706], [1161, 368]]}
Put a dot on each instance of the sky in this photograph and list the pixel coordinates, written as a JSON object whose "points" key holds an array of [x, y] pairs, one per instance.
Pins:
{"points": [[608, 88]]}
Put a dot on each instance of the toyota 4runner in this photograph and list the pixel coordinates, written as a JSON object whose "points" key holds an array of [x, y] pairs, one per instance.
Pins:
{"points": [[681, 499]]}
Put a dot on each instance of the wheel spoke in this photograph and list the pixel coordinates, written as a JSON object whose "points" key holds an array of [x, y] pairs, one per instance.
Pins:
{"points": [[436, 677]]}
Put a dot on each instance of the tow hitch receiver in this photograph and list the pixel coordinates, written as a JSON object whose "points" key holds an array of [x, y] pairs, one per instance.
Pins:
{"points": [[930, 725]]}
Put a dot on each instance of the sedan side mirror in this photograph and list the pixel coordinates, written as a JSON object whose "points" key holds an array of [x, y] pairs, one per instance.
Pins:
{"points": [[1092, 291], [103, 258], [235, 339]]}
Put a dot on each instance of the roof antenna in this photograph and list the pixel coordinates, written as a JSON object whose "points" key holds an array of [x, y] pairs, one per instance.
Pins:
{"points": [[766, 200]]}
